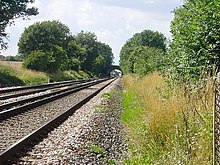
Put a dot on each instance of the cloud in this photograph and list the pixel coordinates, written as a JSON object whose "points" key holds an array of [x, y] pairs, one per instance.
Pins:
{"points": [[113, 21]]}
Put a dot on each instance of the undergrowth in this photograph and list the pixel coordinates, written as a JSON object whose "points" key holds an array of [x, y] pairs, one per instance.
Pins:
{"points": [[13, 74], [167, 126], [10, 76]]}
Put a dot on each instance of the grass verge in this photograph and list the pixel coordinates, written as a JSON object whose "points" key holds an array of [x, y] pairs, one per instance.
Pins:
{"points": [[10, 76], [13, 74], [167, 126]]}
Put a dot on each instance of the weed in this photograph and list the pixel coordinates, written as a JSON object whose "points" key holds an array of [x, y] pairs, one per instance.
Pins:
{"points": [[107, 95], [96, 149], [109, 161], [59, 154], [167, 126]]}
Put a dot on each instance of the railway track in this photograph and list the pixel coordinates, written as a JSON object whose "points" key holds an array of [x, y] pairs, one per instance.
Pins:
{"points": [[24, 123], [25, 90], [21, 105]]}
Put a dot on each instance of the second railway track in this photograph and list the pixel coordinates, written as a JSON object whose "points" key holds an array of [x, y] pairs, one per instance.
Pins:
{"points": [[30, 124], [23, 104]]}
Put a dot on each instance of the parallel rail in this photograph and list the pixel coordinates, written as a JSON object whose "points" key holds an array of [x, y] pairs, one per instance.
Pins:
{"points": [[19, 88], [46, 128], [24, 93], [36, 101]]}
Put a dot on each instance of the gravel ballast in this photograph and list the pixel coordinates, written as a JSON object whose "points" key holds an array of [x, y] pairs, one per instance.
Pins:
{"points": [[92, 135]]}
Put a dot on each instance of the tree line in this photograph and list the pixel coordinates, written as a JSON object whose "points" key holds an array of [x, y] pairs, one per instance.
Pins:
{"points": [[193, 51], [49, 46]]}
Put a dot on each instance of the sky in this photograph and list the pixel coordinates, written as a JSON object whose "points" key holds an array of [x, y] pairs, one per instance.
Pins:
{"points": [[113, 21]]}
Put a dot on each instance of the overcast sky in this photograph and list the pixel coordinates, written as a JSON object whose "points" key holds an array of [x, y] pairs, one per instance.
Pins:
{"points": [[113, 21]]}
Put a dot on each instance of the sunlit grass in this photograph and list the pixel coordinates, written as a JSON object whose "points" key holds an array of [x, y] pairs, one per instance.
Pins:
{"points": [[11, 75], [32, 77], [167, 126]]}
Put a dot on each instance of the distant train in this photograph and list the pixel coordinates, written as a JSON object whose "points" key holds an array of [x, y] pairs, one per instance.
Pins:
{"points": [[115, 73]]}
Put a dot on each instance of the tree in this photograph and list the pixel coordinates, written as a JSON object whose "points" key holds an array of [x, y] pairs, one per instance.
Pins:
{"points": [[195, 47], [139, 51], [75, 55], [51, 43], [97, 57], [104, 60], [88, 41], [10, 10], [49, 38], [43, 36], [47, 61]]}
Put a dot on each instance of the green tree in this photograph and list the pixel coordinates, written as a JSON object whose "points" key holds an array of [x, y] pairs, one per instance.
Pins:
{"points": [[43, 36], [104, 60], [137, 53], [97, 56], [195, 46], [10, 10], [88, 41], [75, 55], [37, 60], [63, 51], [47, 61], [49, 37]]}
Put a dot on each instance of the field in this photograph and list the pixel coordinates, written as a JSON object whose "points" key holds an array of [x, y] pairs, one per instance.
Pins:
{"points": [[12, 64]]}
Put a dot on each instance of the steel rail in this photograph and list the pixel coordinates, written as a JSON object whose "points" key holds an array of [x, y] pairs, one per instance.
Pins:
{"points": [[43, 99], [45, 129], [31, 99], [36, 91], [5, 90]]}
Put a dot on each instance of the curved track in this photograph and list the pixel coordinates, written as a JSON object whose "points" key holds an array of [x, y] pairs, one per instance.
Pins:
{"points": [[21, 129]]}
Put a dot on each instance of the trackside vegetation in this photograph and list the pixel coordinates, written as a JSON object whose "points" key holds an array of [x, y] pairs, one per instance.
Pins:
{"points": [[11, 10], [17, 76], [13, 74], [168, 90], [167, 126]]}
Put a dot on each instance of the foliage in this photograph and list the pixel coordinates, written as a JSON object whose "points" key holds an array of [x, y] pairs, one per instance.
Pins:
{"points": [[167, 126], [48, 46], [13, 58], [142, 53], [48, 61], [43, 36], [97, 57], [88, 41], [75, 54], [195, 47], [10, 10], [95, 148], [11, 76]]}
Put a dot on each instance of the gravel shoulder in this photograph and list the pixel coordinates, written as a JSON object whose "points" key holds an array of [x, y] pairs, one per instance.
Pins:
{"points": [[92, 135]]}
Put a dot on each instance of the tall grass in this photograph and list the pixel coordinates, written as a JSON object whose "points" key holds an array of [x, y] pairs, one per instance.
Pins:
{"points": [[12, 73], [30, 77], [169, 126], [68, 75], [10, 76]]}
